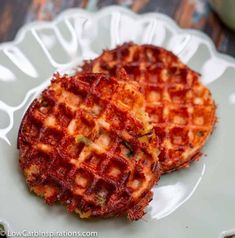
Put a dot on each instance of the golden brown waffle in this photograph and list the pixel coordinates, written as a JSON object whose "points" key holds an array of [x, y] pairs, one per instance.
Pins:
{"points": [[181, 108], [87, 143]]}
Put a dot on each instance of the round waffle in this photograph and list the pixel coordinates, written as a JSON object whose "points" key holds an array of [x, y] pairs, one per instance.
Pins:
{"points": [[88, 143], [181, 108]]}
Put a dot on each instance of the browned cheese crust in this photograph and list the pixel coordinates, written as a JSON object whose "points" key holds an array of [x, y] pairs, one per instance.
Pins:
{"points": [[88, 143], [180, 106]]}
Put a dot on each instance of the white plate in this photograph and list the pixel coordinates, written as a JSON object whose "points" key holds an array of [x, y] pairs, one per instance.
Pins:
{"points": [[194, 202]]}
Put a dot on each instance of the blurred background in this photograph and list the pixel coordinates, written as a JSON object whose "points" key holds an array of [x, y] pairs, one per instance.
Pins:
{"points": [[197, 14]]}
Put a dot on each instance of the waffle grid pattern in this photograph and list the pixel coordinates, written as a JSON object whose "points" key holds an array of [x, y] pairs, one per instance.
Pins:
{"points": [[181, 108], [81, 143]]}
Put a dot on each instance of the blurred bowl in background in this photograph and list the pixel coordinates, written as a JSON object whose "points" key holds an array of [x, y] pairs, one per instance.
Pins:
{"points": [[226, 11]]}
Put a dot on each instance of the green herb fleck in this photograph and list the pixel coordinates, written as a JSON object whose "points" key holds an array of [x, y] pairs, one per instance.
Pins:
{"points": [[100, 199], [44, 103], [129, 147], [83, 139], [200, 133]]}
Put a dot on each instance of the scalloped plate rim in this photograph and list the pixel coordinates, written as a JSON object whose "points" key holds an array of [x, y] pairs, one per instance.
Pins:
{"points": [[40, 24], [75, 11]]}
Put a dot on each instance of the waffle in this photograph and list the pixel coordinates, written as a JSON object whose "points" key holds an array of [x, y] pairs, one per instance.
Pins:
{"points": [[88, 143], [181, 108]]}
